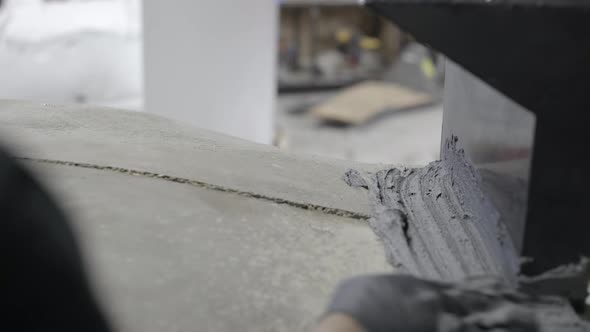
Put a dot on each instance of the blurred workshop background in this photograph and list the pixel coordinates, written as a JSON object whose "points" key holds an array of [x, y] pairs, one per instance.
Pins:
{"points": [[324, 77]]}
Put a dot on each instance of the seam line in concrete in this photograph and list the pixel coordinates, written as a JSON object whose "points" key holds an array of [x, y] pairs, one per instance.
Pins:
{"points": [[201, 184]]}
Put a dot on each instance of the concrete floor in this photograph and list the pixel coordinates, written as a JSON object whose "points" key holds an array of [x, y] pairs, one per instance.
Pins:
{"points": [[409, 137], [190, 230]]}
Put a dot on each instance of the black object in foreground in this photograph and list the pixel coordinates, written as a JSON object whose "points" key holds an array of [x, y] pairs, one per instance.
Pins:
{"points": [[391, 303], [43, 285]]}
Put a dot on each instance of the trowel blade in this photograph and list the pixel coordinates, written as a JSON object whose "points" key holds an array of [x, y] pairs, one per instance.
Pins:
{"points": [[497, 135]]}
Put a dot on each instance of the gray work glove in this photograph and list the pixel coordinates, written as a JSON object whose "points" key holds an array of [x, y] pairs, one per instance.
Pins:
{"points": [[392, 303]]}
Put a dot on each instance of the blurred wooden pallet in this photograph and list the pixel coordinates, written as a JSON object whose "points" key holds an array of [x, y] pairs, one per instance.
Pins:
{"points": [[358, 104]]}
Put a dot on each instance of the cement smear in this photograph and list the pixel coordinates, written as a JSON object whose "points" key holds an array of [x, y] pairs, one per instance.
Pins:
{"points": [[436, 223]]}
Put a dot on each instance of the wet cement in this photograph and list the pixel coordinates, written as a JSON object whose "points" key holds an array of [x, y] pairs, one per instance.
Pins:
{"points": [[436, 223]]}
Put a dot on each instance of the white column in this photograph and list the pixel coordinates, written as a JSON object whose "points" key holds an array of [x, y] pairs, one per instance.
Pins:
{"points": [[211, 64]]}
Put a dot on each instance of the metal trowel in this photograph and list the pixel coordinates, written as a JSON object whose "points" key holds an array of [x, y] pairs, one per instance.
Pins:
{"points": [[517, 92]]}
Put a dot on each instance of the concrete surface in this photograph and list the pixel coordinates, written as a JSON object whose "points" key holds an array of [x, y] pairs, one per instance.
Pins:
{"points": [[237, 250], [144, 142], [503, 150], [410, 137]]}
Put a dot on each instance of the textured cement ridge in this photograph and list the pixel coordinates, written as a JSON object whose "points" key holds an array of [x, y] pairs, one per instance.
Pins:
{"points": [[436, 223]]}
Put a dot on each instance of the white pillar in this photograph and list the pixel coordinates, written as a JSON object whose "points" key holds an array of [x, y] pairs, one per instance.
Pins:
{"points": [[211, 63]]}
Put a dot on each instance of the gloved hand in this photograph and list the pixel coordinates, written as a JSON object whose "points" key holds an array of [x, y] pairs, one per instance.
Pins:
{"points": [[392, 303]]}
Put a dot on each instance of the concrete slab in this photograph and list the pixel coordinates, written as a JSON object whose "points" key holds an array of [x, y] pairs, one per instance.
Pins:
{"points": [[144, 142], [175, 257], [188, 230]]}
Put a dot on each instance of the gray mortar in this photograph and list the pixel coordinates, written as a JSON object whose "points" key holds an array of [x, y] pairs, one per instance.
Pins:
{"points": [[436, 223]]}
